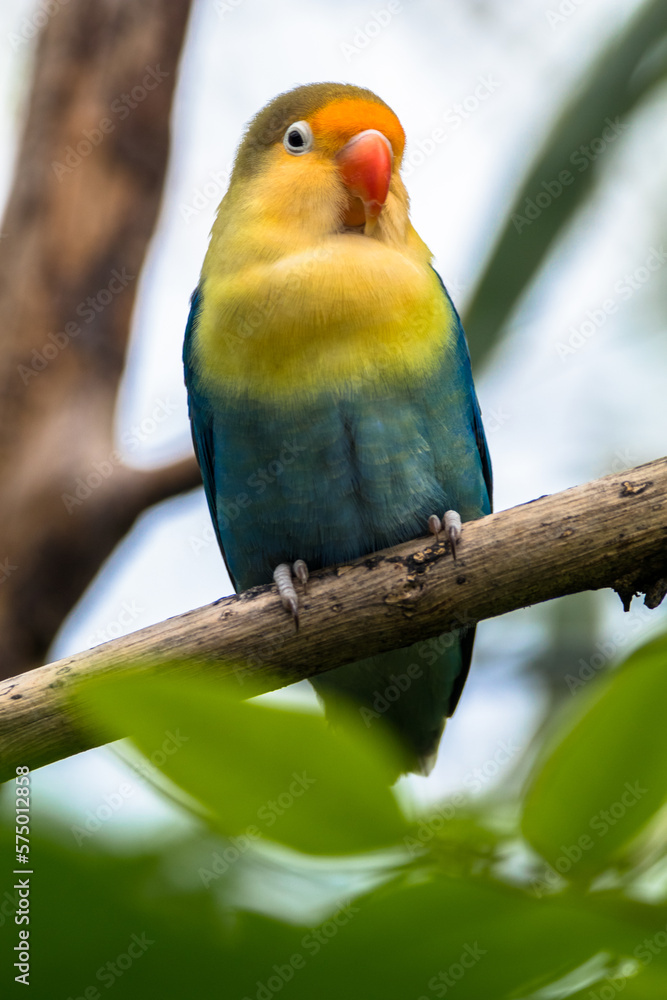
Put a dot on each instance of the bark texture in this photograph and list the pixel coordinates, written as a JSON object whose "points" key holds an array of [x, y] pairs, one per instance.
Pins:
{"points": [[86, 194]]}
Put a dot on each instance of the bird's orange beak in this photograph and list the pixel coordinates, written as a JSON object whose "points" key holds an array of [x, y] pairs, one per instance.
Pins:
{"points": [[364, 164]]}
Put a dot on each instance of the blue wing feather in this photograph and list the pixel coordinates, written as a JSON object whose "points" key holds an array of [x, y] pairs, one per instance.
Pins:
{"points": [[332, 479], [463, 354], [202, 423]]}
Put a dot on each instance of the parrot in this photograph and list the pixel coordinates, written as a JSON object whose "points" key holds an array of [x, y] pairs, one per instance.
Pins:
{"points": [[330, 393]]}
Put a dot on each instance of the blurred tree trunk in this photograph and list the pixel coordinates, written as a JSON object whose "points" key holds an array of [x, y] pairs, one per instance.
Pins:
{"points": [[86, 194]]}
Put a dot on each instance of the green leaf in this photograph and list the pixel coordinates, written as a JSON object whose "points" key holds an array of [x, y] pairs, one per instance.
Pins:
{"points": [[637, 945], [99, 921], [261, 771], [645, 984], [475, 938], [407, 940], [613, 87], [605, 778]]}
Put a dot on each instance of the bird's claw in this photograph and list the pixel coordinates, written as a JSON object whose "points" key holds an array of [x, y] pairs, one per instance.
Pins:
{"points": [[435, 526], [453, 529], [451, 523], [283, 579], [301, 572]]}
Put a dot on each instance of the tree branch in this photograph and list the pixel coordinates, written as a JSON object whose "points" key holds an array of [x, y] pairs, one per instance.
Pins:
{"points": [[83, 206], [608, 533]]}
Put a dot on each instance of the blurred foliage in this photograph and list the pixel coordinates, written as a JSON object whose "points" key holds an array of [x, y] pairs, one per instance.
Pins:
{"points": [[557, 808], [538, 895], [305, 877], [616, 84], [247, 776], [611, 90], [571, 624]]}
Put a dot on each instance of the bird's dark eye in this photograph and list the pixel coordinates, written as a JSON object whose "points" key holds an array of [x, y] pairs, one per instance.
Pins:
{"points": [[298, 138]]}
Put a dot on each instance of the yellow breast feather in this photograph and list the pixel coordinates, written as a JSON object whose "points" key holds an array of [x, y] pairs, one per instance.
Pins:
{"points": [[295, 304]]}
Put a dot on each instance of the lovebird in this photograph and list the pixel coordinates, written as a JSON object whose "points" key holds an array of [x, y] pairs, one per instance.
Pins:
{"points": [[330, 392]]}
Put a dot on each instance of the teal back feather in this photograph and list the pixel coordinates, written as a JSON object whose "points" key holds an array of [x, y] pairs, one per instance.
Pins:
{"points": [[332, 478]]}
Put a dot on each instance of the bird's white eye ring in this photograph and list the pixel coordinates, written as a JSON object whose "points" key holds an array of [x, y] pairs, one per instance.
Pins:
{"points": [[298, 138]]}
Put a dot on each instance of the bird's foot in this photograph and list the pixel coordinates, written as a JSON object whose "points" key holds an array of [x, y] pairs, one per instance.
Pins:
{"points": [[283, 577], [451, 523]]}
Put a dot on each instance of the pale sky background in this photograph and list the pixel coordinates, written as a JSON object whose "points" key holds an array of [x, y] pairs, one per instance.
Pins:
{"points": [[552, 422]]}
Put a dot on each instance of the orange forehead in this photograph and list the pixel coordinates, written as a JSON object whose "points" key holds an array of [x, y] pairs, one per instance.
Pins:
{"points": [[336, 123]]}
